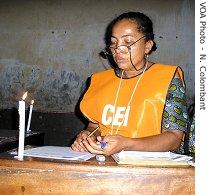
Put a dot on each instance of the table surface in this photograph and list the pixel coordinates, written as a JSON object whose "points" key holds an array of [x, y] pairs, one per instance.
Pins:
{"points": [[43, 176]]}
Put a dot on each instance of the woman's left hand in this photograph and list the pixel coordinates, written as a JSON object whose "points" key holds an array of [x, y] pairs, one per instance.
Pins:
{"points": [[114, 144], [92, 146]]}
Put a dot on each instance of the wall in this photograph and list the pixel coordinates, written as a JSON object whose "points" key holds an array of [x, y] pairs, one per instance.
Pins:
{"points": [[49, 48]]}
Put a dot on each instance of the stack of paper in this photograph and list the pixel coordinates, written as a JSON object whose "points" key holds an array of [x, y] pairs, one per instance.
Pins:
{"points": [[151, 158], [58, 152]]}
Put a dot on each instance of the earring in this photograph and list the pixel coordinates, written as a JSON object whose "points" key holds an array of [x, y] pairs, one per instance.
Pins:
{"points": [[146, 56]]}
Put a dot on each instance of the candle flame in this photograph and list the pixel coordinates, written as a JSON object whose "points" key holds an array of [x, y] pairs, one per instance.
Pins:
{"points": [[32, 102], [24, 95]]}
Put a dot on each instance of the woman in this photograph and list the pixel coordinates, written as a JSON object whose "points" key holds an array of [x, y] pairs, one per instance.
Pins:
{"points": [[140, 105]]}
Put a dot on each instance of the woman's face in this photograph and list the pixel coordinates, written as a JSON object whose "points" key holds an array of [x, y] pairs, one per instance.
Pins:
{"points": [[125, 32]]}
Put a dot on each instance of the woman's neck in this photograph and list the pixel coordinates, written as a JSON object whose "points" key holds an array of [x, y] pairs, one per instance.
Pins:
{"points": [[133, 73]]}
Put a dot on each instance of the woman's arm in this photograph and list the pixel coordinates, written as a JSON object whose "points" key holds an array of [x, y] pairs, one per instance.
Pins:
{"points": [[166, 141]]}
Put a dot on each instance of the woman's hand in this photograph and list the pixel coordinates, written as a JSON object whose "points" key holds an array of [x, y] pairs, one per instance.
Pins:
{"points": [[78, 143], [114, 143], [93, 146], [83, 143]]}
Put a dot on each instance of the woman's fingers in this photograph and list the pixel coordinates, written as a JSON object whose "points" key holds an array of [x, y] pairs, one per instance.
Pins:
{"points": [[92, 146], [83, 143], [114, 144], [78, 146]]}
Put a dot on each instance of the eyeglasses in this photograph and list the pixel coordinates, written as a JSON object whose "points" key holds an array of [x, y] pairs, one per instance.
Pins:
{"points": [[124, 49]]}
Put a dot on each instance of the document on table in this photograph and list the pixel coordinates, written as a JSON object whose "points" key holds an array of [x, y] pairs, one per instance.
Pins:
{"points": [[57, 152], [151, 158]]}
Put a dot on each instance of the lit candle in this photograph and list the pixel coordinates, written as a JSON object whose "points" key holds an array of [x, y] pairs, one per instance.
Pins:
{"points": [[21, 112], [29, 117]]}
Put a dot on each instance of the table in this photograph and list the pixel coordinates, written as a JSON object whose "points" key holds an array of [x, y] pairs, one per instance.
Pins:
{"points": [[41, 176], [9, 139]]}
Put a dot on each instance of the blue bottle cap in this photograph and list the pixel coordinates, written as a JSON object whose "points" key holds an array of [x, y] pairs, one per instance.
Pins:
{"points": [[103, 145]]}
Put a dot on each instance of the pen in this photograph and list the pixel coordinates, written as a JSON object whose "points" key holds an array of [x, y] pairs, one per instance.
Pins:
{"points": [[93, 131], [103, 144]]}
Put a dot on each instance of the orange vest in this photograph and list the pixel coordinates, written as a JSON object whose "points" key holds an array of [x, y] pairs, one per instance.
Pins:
{"points": [[143, 117]]}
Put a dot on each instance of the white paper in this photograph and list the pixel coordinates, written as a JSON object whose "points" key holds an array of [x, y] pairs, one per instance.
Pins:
{"points": [[126, 156], [58, 152]]}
